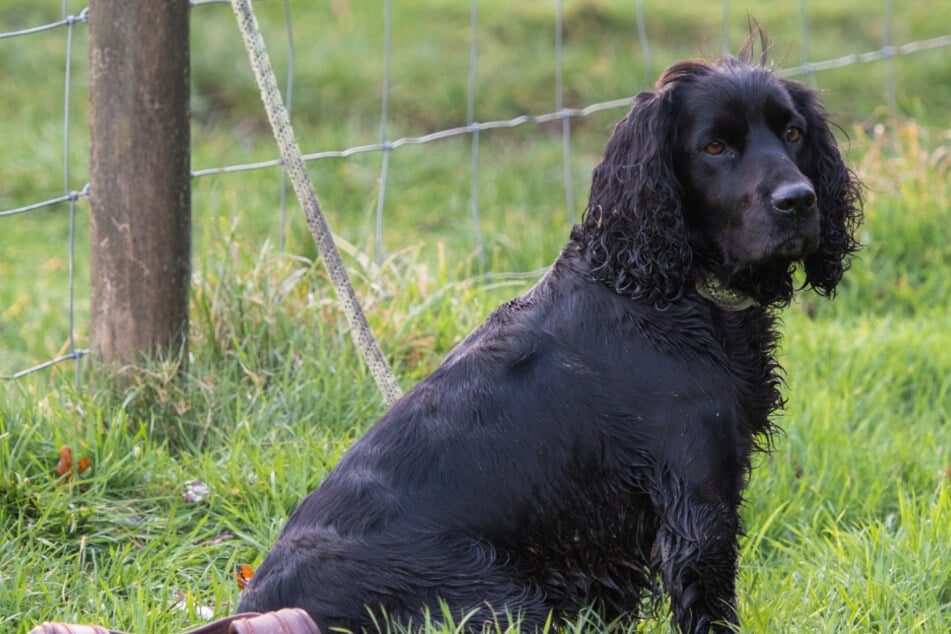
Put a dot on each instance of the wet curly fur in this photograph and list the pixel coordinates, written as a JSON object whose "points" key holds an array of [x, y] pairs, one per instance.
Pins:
{"points": [[590, 442]]}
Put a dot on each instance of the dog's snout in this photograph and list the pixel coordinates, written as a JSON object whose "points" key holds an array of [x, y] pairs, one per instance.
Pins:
{"points": [[794, 198]]}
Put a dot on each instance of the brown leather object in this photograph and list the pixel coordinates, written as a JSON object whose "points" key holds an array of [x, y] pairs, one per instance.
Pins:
{"points": [[286, 621]]}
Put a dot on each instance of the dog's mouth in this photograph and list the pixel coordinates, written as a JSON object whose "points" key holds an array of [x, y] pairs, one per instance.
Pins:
{"points": [[796, 247], [780, 250]]}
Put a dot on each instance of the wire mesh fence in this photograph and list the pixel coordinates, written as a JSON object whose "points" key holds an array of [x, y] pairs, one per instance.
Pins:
{"points": [[70, 197], [70, 202]]}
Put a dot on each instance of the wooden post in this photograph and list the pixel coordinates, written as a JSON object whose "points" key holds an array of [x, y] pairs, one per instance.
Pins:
{"points": [[140, 180]]}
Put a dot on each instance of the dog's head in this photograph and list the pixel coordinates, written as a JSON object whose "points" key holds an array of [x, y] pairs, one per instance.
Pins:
{"points": [[727, 172]]}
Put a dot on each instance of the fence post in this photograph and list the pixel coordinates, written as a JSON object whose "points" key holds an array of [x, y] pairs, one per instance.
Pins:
{"points": [[140, 189]]}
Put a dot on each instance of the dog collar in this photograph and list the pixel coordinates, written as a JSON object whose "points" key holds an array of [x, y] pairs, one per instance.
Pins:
{"points": [[725, 298]]}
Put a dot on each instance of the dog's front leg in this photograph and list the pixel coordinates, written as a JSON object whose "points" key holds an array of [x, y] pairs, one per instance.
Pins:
{"points": [[695, 553]]}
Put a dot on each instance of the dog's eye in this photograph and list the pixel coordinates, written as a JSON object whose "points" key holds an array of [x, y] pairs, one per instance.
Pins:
{"points": [[794, 134], [715, 147]]}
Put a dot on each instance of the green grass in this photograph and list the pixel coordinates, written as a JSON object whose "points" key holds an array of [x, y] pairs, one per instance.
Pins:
{"points": [[848, 520]]}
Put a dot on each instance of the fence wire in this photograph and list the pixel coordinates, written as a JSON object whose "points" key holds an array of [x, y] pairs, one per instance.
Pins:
{"points": [[71, 197], [886, 53], [470, 119]]}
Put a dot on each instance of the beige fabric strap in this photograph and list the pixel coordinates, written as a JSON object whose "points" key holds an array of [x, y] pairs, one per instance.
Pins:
{"points": [[296, 170]]}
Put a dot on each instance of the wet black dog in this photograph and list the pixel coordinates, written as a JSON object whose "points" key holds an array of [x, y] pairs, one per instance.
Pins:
{"points": [[594, 435]]}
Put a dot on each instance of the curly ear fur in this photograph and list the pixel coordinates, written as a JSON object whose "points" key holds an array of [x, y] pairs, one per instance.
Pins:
{"points": [[838, 195], [634, 224]]}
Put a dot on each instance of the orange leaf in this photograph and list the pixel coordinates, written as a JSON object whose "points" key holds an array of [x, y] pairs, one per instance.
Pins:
{"points": [[244, 575], [65, 464], [84, 463]]}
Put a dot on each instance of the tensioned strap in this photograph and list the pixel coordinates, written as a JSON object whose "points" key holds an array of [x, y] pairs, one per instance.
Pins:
{"points": [[291, 155]]}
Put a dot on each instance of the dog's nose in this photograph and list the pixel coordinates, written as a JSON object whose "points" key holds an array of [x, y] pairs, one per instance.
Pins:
{"points": [[794, 199]]}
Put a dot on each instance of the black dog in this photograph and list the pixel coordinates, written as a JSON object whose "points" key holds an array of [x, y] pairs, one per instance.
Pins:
{"points": [[594, 435]]}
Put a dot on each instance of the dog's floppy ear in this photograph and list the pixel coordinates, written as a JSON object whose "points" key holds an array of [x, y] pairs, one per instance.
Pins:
{"points": [[634, 223], [838, 194]]}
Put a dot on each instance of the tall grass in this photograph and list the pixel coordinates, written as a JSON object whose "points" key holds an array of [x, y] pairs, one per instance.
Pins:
{"points": [[847, 519]]}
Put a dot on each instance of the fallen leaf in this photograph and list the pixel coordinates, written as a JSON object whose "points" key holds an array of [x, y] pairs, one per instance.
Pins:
{"points": [[65, 464], [64, 468], [244, 575]]}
